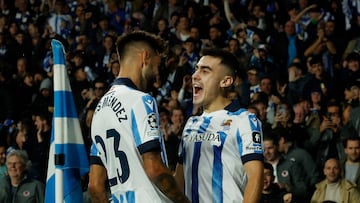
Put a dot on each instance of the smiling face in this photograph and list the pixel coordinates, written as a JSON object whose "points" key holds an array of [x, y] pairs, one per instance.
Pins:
{"points": [[207, 82], [268, 179], [270, 151], [15, 167], [332, 170]]}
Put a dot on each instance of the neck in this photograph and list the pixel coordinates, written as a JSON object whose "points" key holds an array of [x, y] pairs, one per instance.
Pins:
{"points": [[217, 104], [132, 75], [348, 161], [275, 161], [15, 181], [333, 182], [288, 146]]}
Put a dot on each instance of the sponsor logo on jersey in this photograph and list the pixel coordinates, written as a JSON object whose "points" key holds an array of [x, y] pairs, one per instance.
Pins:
{"points": [[255, 148], [214, 138], [256, 137], [254, 121], [152, 121], [150, 103], [153, 133]]}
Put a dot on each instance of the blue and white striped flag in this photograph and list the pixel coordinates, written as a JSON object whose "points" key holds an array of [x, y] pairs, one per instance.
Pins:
{"points": [[67, 143]]}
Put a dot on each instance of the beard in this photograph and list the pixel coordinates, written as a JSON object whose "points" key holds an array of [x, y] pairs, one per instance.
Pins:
{"points": [[149, 79], [149, 86]]}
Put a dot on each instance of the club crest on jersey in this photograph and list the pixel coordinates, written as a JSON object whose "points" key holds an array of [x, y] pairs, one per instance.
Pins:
{"points": [[226, 124]]}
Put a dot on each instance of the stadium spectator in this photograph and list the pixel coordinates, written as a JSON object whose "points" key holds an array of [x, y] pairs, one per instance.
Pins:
{"points": [[271, 192], [3, 168], [350, 166], [334, 187], [332, 134], [286, 145], [287, 173], [27, 189]]}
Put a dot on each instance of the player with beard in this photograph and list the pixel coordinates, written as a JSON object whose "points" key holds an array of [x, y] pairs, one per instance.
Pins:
{"points": [[127, 144]]}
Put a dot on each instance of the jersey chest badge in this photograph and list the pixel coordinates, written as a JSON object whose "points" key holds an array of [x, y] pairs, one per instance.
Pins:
{"points": [[226, 124]]}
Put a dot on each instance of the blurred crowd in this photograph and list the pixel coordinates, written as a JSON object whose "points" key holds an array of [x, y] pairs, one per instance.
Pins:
{"points": [[300, 73]]}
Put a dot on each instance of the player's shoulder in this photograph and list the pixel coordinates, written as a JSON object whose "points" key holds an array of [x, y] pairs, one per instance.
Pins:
{"points": [[128, 93], [242, 113]]}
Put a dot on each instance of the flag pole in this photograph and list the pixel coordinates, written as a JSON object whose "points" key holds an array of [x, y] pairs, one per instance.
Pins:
{"points": [[67, 155], [59, 186], [59, 53]]}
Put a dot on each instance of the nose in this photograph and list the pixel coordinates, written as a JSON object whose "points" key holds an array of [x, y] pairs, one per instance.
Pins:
{"points": [[195, 75]]}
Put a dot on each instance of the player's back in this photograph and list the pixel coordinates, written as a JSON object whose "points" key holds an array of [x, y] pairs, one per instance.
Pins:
{"points": [[123, 126], [213, 147]]}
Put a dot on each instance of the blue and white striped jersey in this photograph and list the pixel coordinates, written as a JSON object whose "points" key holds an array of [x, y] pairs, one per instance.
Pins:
{"points": [[214, 148], [126, 125]]}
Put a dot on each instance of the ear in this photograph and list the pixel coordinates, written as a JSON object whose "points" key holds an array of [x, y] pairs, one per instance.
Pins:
{"points": [[227, 81], [144, 55]]}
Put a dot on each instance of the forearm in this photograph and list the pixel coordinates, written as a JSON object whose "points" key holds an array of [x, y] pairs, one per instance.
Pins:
{"points": [[162, 177], [96, 186], [99, 196], [255, 173], [311, 50], [331, 47], [167, 184], [229, 16], [253, 191], [179, 177]]}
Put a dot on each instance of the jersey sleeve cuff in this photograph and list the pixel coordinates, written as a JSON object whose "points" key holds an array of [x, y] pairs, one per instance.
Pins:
{"points": [[153, 145], [252, 157], [96, 160]]}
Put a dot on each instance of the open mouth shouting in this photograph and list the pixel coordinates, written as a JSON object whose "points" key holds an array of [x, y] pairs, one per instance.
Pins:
{"points": [[197, 89]]}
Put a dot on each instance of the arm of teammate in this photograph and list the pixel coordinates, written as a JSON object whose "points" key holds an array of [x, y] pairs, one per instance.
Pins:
{"points": [[162, 176], [96, 186], [179, 176], [255, 173]]}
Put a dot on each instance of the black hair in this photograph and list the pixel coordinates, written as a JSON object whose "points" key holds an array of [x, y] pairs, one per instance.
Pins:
{"points": [[100, 80], [297, 65], [124, 42], [281, 132], [353, 56], [228, 59], [269, 167], [315, 60], [353, 137]]}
